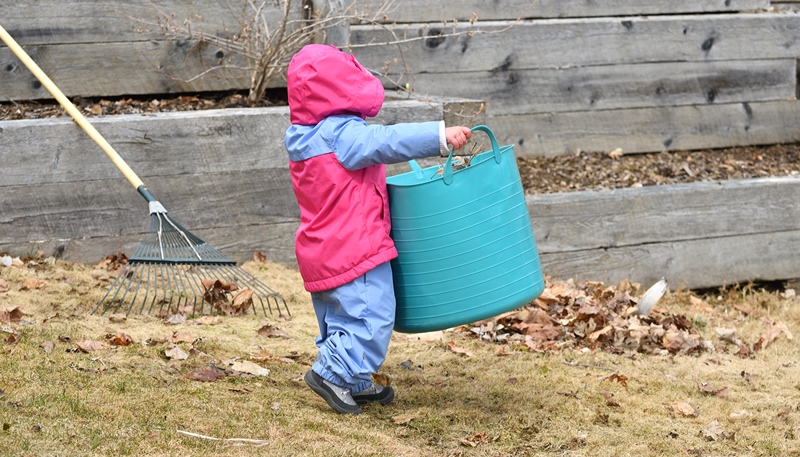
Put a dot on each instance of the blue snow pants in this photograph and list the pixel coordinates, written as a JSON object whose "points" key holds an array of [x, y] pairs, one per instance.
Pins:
{"points": [[355, 323]]}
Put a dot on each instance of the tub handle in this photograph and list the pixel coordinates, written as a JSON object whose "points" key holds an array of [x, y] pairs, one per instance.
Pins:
{"points": [[447, 177]]}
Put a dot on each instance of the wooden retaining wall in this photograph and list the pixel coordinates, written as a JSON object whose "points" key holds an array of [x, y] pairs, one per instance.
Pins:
{"points": [[552, 76]]}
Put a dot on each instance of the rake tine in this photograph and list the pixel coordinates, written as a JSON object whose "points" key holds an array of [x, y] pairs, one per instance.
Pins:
{"points": [[192, 282], [156, 278], [258, 285], [174, 289], [146, 287], [191, 287], [119, 280], [138, 286], [124, 294], [100, 303], [168, 288]]}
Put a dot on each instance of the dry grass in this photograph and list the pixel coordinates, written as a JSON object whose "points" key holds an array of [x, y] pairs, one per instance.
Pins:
{"points": [[133, 400]]}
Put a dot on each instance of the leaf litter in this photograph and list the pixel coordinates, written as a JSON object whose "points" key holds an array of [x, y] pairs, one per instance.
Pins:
{"points": [[568, 317], [594, 316]]}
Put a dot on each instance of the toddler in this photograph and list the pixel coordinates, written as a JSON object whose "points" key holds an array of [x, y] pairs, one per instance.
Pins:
{"points": [[343, 246]]}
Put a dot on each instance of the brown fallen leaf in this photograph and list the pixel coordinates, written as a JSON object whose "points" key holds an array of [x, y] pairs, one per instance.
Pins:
{"points": [[181, 337], [404, 418], [743, 309], [117, 318], [245, 366], [744, 352], [683, 408], [174, 352], [48, 346], [700, 305], [594, 336], [609, 399], [175, 319], [208, 320], [241, 301], [205, 375], [92, 346], [381, 379], [774, 331], [475, 439], [32, 284], [12, 315], [262, 356], [458, 349], [259, 257], [748, 376], [100, 275], [715, 432], [216, 291], [121, 339], [620, 378], [271, 331], [707, 389]]}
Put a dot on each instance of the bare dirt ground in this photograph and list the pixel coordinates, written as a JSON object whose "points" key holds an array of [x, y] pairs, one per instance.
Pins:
{"points": [[580, 171]]}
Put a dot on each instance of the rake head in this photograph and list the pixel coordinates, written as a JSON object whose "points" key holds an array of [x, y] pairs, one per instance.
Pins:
{"points": [[173, 271]]}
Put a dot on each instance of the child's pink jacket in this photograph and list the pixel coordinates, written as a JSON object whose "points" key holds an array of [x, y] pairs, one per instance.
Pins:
{"points": [[336, 163]]}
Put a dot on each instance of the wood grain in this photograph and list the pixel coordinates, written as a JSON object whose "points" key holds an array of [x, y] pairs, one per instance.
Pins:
{"points": [[594, 88]]}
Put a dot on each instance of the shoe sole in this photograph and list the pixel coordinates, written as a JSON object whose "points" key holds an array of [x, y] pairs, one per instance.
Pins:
{"points": [[328, 396], [382, 401]]}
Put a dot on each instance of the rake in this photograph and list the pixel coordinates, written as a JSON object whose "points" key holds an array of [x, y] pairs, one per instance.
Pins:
{"points": [[172, 269]]}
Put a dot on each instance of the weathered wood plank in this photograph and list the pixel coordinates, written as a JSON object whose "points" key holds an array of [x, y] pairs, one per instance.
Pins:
{"points": [[124, 68], [107, 21], [651, 129], [88, 21], [701, 234], [695, 264], [113, 207], [560, 43], [617, 86], [165, 144], [58, 150], [427, 11], [576, 221]]}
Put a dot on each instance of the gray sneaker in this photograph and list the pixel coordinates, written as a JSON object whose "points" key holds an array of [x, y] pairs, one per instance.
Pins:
{"points": [[381, 394], [338, 398]]}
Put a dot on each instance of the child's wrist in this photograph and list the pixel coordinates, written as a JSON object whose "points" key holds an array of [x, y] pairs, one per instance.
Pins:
{"points": [[444, 151]]}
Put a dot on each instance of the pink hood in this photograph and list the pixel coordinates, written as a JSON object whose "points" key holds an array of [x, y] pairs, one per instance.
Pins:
{"points": [[323, 81]]}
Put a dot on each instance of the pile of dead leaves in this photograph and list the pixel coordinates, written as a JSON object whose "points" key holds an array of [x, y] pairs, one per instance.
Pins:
{"points": [[598, 317]]}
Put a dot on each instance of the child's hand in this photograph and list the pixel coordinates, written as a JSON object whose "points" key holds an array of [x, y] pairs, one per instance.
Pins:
{"points": [[457, 136]]}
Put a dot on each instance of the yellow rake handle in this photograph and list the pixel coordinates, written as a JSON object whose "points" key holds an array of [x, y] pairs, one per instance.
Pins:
{"points": [[71, 109]]}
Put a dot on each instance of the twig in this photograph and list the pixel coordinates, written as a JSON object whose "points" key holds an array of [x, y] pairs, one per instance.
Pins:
{"points": [[257, 443], [583, 365]]}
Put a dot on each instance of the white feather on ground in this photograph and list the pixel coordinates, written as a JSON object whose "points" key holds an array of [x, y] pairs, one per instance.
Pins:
{"points": [[651, 297]]}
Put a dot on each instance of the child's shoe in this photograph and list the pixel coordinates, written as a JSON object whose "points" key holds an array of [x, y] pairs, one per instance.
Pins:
{"points": [[338, 398], [381, 394]]}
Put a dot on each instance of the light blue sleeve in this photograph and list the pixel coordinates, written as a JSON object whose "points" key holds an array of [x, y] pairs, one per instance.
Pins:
{"points": [[358, 145]]}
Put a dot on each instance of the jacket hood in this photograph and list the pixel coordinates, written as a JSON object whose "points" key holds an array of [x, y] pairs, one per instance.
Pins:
{"points": [[323, 81]]}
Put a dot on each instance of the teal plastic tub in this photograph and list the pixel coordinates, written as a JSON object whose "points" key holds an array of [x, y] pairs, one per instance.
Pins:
{"points": [[464, 239]]}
